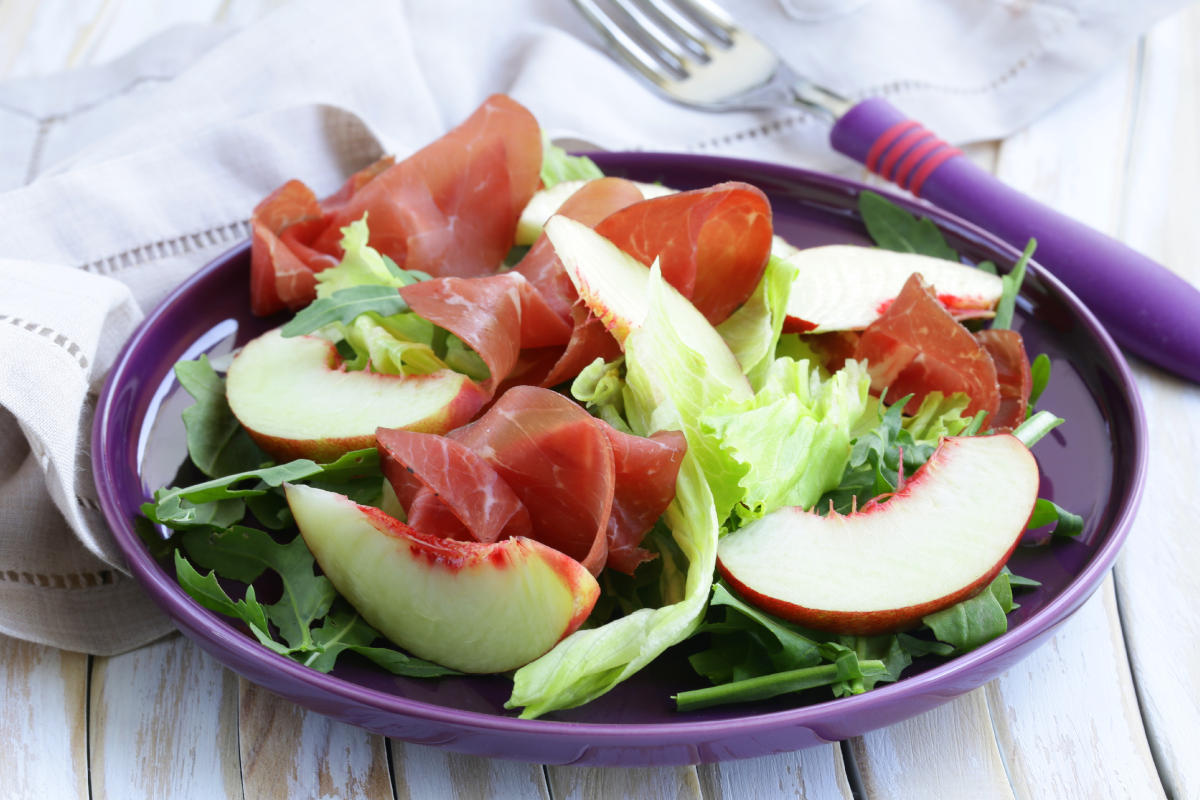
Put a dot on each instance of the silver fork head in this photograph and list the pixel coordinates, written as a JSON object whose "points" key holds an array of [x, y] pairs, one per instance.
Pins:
{"points": [[692, 52]]}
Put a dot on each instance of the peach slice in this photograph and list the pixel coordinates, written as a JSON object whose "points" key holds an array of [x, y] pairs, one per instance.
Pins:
{"points": [[936, 542], [294, 399], [474, 607]]}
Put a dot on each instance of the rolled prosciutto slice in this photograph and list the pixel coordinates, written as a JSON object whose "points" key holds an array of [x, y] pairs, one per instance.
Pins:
{"points": [[712, 244], [449, 489], [646, 470], [452, 207], [449, 209], [537, 465]]}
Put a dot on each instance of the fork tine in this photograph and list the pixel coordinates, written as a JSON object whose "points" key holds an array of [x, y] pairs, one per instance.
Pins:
{"points": [[662, 21], [628, 48], [708, 17], [694, 36]]}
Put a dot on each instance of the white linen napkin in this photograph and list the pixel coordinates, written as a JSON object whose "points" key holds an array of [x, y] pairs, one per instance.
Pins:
{"points": [[116, 182]]}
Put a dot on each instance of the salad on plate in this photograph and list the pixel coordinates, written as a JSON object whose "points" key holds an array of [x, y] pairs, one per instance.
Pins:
{"points": [[523, 418]]}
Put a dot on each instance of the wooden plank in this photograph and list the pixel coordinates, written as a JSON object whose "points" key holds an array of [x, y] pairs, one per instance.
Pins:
{"points": [[289, 752], [1067, 717], [950, 751], [643, 783], [420, 771], [816, 773], [163, 723], [1158, 573], [42, 721]]}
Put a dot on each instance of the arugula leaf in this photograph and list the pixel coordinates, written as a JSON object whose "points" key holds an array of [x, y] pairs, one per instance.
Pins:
{"points": [[343, 306], [178, 507], [244, 553], [205, 590], [893, 228], [1065, 523], [345, 630], [216, 441], [1011, 284], [977, 620], [1039, 372]]}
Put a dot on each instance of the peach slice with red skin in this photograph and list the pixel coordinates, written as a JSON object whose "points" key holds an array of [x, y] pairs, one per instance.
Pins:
{"points": [[847, 287], [939, 540], [293, 397], [471, 606]]}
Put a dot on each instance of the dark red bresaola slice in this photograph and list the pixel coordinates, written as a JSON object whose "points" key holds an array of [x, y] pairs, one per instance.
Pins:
{"points": [[712, 244], [916, 347], [1007, 349], [536, 464]]}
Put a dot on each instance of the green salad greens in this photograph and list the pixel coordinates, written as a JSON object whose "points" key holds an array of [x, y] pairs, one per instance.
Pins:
{"points": [[779, 431]]}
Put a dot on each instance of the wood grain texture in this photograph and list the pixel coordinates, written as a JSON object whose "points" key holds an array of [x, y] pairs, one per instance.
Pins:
{"points": [[644, 783], [163, 723], [420, 771], [289, 752], [1067, 718], [950, 751], [42, 721], [817, 773], [1158, 573]]}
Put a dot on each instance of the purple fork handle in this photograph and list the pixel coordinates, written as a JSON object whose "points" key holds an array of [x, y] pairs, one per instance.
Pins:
{"points": [[1148, 309]]}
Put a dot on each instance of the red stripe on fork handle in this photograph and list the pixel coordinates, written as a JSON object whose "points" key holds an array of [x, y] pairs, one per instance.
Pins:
{"points": [[883, 142], [904, 146], [933, 162], [912, 139]]}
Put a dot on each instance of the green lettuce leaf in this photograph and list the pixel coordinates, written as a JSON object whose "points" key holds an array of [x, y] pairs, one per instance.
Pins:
{"points": [[559, 166], [793, 437], [753, 329], [591, 661], [362, 265]]}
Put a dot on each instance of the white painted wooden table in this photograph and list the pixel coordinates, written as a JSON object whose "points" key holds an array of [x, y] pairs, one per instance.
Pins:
{"points": [[1110, 707]]}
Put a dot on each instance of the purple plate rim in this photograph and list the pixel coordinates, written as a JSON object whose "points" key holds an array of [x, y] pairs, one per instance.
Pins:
{"points": [[178, 604]]}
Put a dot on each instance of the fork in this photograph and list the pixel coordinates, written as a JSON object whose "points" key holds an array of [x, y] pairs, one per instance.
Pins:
{"points": [[694, 53]]}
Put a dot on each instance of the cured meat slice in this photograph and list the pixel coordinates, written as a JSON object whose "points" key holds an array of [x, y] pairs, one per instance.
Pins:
{"points": [[496, 316], [452, 207], [338, 200], [449, 209], [646, 470], [1007, 349], [558, 461], [712, 244], [591, 203], [589, 340], [448, 489], [916, 347], [281, 263]]}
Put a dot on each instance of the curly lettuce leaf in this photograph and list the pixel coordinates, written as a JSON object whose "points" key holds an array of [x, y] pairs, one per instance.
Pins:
{"points": [[558, 165]]}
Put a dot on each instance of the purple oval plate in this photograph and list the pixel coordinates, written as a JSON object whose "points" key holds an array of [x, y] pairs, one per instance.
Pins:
{"points": [[1094, 465]]}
